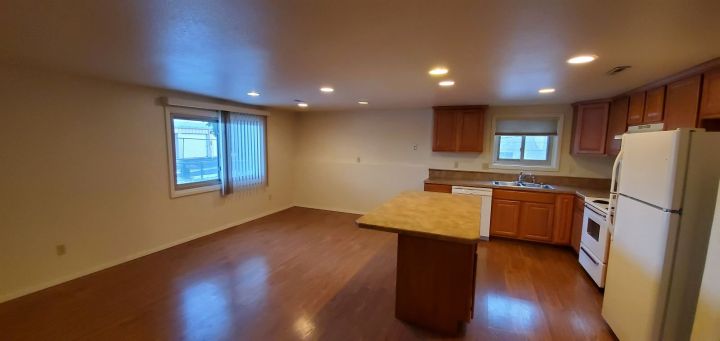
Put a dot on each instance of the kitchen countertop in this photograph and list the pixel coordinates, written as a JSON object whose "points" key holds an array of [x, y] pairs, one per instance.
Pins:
{"points": [[579, 191], [441, 216]]}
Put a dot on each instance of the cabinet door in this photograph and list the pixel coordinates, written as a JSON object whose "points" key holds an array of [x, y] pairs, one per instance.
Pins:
{"points": [[445, 131], [471, 130], [710, 105], [617, 124], [577, 223], [636, 108], [590, 129], [536, 221], [562, 226], [681, 103], [654, 105], [505, 217]]}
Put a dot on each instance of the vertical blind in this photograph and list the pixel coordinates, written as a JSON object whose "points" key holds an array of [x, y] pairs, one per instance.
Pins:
{"points": [[245, 158]]}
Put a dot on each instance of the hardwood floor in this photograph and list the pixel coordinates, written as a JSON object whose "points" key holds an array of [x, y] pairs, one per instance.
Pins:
{"points": [[303, 274]]}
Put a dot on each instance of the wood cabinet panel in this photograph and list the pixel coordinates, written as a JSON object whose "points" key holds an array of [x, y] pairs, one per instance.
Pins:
{"points": [[471, 123], [548, 198], [458, 128], [681, 103], [617, 124], [590, 128], [636, 108], [710, 103], [654, 105], [536, 221], [577, 222], [438, 188], [445, 130], [562, 226], [505, 218]]}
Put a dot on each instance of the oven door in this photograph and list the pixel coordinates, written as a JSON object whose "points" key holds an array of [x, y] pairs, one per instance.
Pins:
{"points": [[595, 234]]}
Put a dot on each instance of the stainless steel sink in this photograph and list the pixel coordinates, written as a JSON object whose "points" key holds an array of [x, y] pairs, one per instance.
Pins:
{"points": [[521, 184], [506, 183]]}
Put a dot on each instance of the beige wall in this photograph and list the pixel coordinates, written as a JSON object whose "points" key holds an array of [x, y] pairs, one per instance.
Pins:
{"points": [[329, 175], [84, 163]]}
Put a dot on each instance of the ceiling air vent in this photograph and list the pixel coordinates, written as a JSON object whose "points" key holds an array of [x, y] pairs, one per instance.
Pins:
{"points": [[618, 69]]}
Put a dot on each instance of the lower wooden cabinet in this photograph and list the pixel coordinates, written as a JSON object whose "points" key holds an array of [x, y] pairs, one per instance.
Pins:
{"points": [[438, 188], [505, 218], [577, 223], [536, 221], [535, 216]]}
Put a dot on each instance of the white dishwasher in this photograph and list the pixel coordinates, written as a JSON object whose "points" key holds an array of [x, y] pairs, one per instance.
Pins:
{"points": [[485, 211]]}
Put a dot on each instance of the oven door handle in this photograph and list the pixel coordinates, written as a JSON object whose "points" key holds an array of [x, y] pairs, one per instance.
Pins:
{"points": [[592, 259]]}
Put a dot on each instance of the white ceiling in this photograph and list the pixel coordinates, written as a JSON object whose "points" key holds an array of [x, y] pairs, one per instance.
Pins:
{"points": [[499, 52]]}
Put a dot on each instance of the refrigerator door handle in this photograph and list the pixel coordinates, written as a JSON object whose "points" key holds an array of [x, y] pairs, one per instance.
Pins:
{"points": [[613, 189]]}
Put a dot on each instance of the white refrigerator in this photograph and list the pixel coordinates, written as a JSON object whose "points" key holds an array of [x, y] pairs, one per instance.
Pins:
{"points": [[661, 215]]}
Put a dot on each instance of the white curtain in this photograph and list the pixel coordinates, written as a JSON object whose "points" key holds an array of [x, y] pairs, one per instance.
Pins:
{"points": [[245, 158]]}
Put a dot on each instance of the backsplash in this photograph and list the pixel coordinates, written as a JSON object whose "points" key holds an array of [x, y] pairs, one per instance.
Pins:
{"points": [[546, 179]]}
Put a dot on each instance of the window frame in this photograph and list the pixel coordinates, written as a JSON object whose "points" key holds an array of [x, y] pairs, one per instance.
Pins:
{"points": [[179, 190], [554, 146]]}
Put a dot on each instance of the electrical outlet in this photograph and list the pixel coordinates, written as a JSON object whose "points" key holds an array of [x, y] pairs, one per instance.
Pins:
{"points": [[457, 164], [414, 147], [60, 249], [357, 159]]}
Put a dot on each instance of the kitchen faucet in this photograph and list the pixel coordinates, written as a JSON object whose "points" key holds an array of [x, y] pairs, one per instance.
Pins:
{"points": [[523, 175]]}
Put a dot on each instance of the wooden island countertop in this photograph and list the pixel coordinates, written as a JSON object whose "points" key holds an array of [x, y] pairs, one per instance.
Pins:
{"points": [[436, 256], [433, 215]]}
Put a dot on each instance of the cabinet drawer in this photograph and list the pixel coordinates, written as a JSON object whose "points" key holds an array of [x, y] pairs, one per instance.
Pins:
{"points": [[438, 188], [527, 196]]}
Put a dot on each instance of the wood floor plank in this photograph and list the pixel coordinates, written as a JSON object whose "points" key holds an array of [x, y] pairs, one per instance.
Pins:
{"points": [[303, 274]]}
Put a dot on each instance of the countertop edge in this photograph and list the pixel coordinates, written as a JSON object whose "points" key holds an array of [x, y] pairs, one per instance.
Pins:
{"points": [[487, 184], [418, 234]]}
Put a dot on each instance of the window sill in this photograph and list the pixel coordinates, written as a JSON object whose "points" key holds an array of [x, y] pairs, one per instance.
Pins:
{"points": [[191, 191], [498, 165]]}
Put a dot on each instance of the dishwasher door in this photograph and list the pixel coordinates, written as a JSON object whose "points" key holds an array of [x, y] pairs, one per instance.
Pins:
{"points": [[485, 210]]}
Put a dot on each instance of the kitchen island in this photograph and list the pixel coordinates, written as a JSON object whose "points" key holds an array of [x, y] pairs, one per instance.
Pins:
{"points": [[436, 256]]}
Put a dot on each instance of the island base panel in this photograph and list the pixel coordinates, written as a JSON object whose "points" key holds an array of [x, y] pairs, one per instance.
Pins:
{"points": [[435, 283]]}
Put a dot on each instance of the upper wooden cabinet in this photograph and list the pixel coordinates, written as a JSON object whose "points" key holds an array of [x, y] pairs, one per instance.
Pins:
{"points": [[636, 108], [590, 128], [654, 105], [681, 103], [710, 105], [617, 124], [458, 128]]}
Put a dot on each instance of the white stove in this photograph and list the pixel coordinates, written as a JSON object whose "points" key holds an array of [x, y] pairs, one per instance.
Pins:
{"points": [[594, 243], [600, 204]]}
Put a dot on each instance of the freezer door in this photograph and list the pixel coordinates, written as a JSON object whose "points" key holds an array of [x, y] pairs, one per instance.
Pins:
{"points": [[638, 270], [653, 167]]}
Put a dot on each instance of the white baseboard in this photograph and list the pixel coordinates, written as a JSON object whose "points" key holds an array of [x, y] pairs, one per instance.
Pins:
{"points": [[343, 210], [63, 279]]}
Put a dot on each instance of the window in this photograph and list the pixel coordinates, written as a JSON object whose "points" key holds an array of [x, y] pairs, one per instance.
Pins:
{"points": [[194, 140], [526, 142], [215, 150]]}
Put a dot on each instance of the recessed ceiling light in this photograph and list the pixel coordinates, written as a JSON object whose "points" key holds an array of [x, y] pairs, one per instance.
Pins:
{"points": [[438, 71], [363, 102], [546, 91], [253, 93], [446, 83], [582, 59], [327, 89], [302, 104]]}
